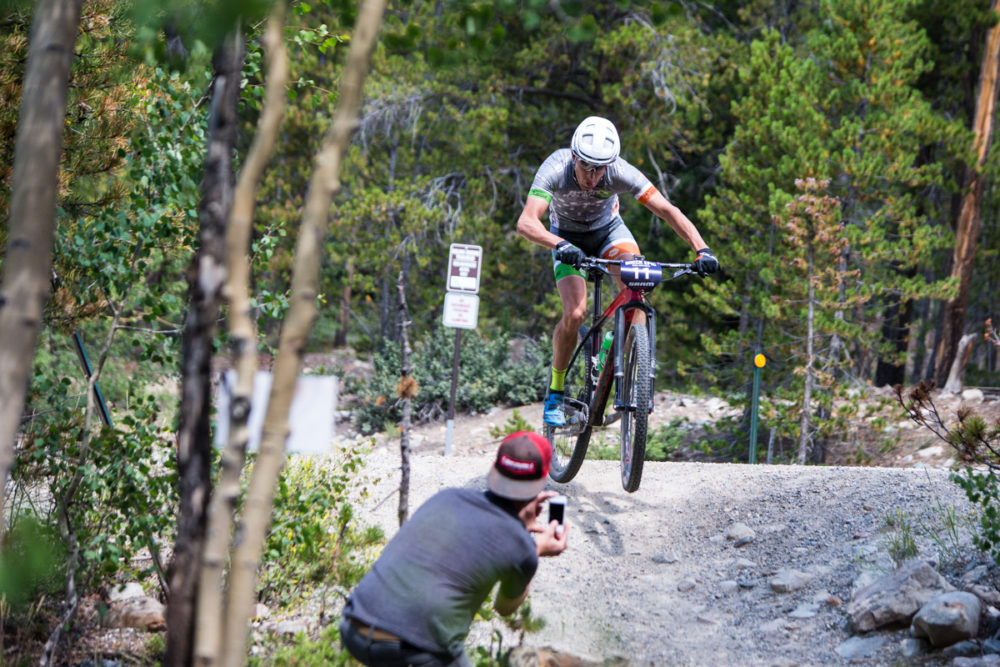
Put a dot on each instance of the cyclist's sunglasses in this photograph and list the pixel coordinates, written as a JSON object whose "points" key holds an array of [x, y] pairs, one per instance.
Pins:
{"points": [[588, 167]]}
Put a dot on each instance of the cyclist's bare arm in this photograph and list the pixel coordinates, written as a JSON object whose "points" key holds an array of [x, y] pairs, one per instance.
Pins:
{"points": [[674, 217], [529, 224]]}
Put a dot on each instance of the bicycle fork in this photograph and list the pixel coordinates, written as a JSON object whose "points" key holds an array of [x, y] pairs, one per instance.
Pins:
{"points": [[618, 350]]}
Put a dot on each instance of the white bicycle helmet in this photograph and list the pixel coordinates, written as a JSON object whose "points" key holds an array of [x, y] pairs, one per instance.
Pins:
{"points": [[596, 141]]}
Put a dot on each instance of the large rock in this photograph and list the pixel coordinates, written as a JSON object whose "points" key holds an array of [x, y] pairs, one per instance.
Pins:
{"points": [[141, 613], [948, 618], [896, 597], [127, 591]]}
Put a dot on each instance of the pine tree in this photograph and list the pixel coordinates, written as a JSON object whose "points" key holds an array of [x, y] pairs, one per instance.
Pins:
{"points": [[847, 113]]}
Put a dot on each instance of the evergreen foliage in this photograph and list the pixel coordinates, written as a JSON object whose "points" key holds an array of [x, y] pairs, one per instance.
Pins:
{"points": [[846, 112]]}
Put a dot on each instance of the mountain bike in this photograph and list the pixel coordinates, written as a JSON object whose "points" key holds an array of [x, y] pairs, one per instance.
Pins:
{"points": [[630, 363]]}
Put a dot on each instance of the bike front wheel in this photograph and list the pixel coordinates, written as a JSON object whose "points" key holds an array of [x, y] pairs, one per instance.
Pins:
{"points": [[636, 393], [570, 441]]}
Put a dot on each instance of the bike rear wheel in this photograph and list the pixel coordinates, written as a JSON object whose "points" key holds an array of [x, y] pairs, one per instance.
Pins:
{"points": [[570, 442], [636, 392]]}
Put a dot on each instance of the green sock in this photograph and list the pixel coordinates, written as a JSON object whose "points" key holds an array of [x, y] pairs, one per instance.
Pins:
{"points": [[558, 380]]}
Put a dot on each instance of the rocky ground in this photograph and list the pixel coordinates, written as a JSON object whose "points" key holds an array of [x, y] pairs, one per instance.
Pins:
{"points": [[707, 563], [690, 569]]}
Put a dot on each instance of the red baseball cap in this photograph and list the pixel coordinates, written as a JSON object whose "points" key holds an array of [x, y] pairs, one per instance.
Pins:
{"points": [[521, 466]]}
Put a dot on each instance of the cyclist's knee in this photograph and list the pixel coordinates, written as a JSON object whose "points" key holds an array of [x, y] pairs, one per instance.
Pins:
{"points": [[573, 317]]}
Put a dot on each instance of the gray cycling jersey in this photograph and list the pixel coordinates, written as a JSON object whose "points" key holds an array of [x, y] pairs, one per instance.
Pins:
{"points": [[571, 208]]}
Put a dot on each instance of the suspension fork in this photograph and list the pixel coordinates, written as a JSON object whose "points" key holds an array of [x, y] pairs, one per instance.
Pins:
{"points": [[623, 317]]}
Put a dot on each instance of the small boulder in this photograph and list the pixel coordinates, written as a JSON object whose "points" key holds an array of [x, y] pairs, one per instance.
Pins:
{"points": [[948, 618], [786, 581], [989, 660], [686, 585], [896, 597], [526, 656], [973, 396], [740, 531], [859, 648]]}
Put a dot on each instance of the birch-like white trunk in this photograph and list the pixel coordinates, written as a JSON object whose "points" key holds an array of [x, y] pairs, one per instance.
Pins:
{"points": [[31, 226], [325, 182], [209, 609]]}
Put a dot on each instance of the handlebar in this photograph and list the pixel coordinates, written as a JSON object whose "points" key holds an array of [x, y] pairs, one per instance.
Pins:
{"points": [[599, 264]]}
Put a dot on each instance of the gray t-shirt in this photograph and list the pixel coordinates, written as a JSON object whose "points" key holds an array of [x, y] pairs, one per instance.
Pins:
{"points": [[436, 572], [573, 209]]}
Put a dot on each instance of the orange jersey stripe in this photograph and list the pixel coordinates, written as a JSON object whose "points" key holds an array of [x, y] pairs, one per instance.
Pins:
{"points": [[648, 194]]}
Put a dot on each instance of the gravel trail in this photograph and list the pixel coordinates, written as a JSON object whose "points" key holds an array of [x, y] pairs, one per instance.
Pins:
{"points": [[681, 572]]}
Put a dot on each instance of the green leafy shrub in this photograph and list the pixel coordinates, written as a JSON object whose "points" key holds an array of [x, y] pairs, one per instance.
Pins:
{"points": [[662, 442], [314, 537], [325, 651], [666, 439], [30, 563], [122, 490], [513, 424], [523, 622], [490, 374]]}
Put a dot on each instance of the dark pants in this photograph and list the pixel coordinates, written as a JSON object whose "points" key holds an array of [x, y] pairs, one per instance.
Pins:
{"points": [[378, 653]]}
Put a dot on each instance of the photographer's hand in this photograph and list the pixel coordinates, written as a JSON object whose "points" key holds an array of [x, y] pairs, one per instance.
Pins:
{"points": [[529, 513], [550, 543]]}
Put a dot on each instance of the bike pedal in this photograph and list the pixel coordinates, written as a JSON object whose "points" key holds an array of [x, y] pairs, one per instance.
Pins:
{"points": [[612, 418]]}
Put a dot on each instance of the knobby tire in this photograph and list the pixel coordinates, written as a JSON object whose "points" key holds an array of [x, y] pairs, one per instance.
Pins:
{"points": [[636, 391], [570, 442]]}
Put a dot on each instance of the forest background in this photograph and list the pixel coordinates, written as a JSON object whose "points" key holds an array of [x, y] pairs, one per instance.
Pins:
{"points": [[829, 152]]}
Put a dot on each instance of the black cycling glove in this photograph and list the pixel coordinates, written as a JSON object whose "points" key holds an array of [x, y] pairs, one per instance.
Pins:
{"points": [[567, 253], [706, 262]]}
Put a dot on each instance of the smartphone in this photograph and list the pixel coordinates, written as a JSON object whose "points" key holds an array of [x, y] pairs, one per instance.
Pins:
{"points": [[557, 511]]}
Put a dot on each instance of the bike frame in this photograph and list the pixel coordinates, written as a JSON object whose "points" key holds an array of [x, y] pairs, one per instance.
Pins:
{"points": [[622, 308], [585, 401]]}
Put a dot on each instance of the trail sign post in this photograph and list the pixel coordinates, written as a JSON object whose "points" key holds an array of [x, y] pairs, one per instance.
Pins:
{"points": [[758, 361], [461, 311]]}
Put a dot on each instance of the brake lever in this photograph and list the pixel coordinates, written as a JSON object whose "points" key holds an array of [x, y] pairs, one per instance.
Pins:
{"points": [[683, 272]]}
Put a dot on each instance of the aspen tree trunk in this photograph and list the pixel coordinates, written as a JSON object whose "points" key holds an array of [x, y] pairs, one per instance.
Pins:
{"points": [[325, 182], [804, 421], [27, 264], [406, 391], [243, 339], [957, 375], [969, 217], [205, 279]]}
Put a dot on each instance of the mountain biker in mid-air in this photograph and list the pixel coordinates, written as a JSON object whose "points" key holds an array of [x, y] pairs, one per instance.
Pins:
{"points": [[581, 184]]}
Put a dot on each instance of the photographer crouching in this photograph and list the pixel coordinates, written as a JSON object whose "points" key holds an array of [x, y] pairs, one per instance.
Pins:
{"points": [[418, 601]]}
